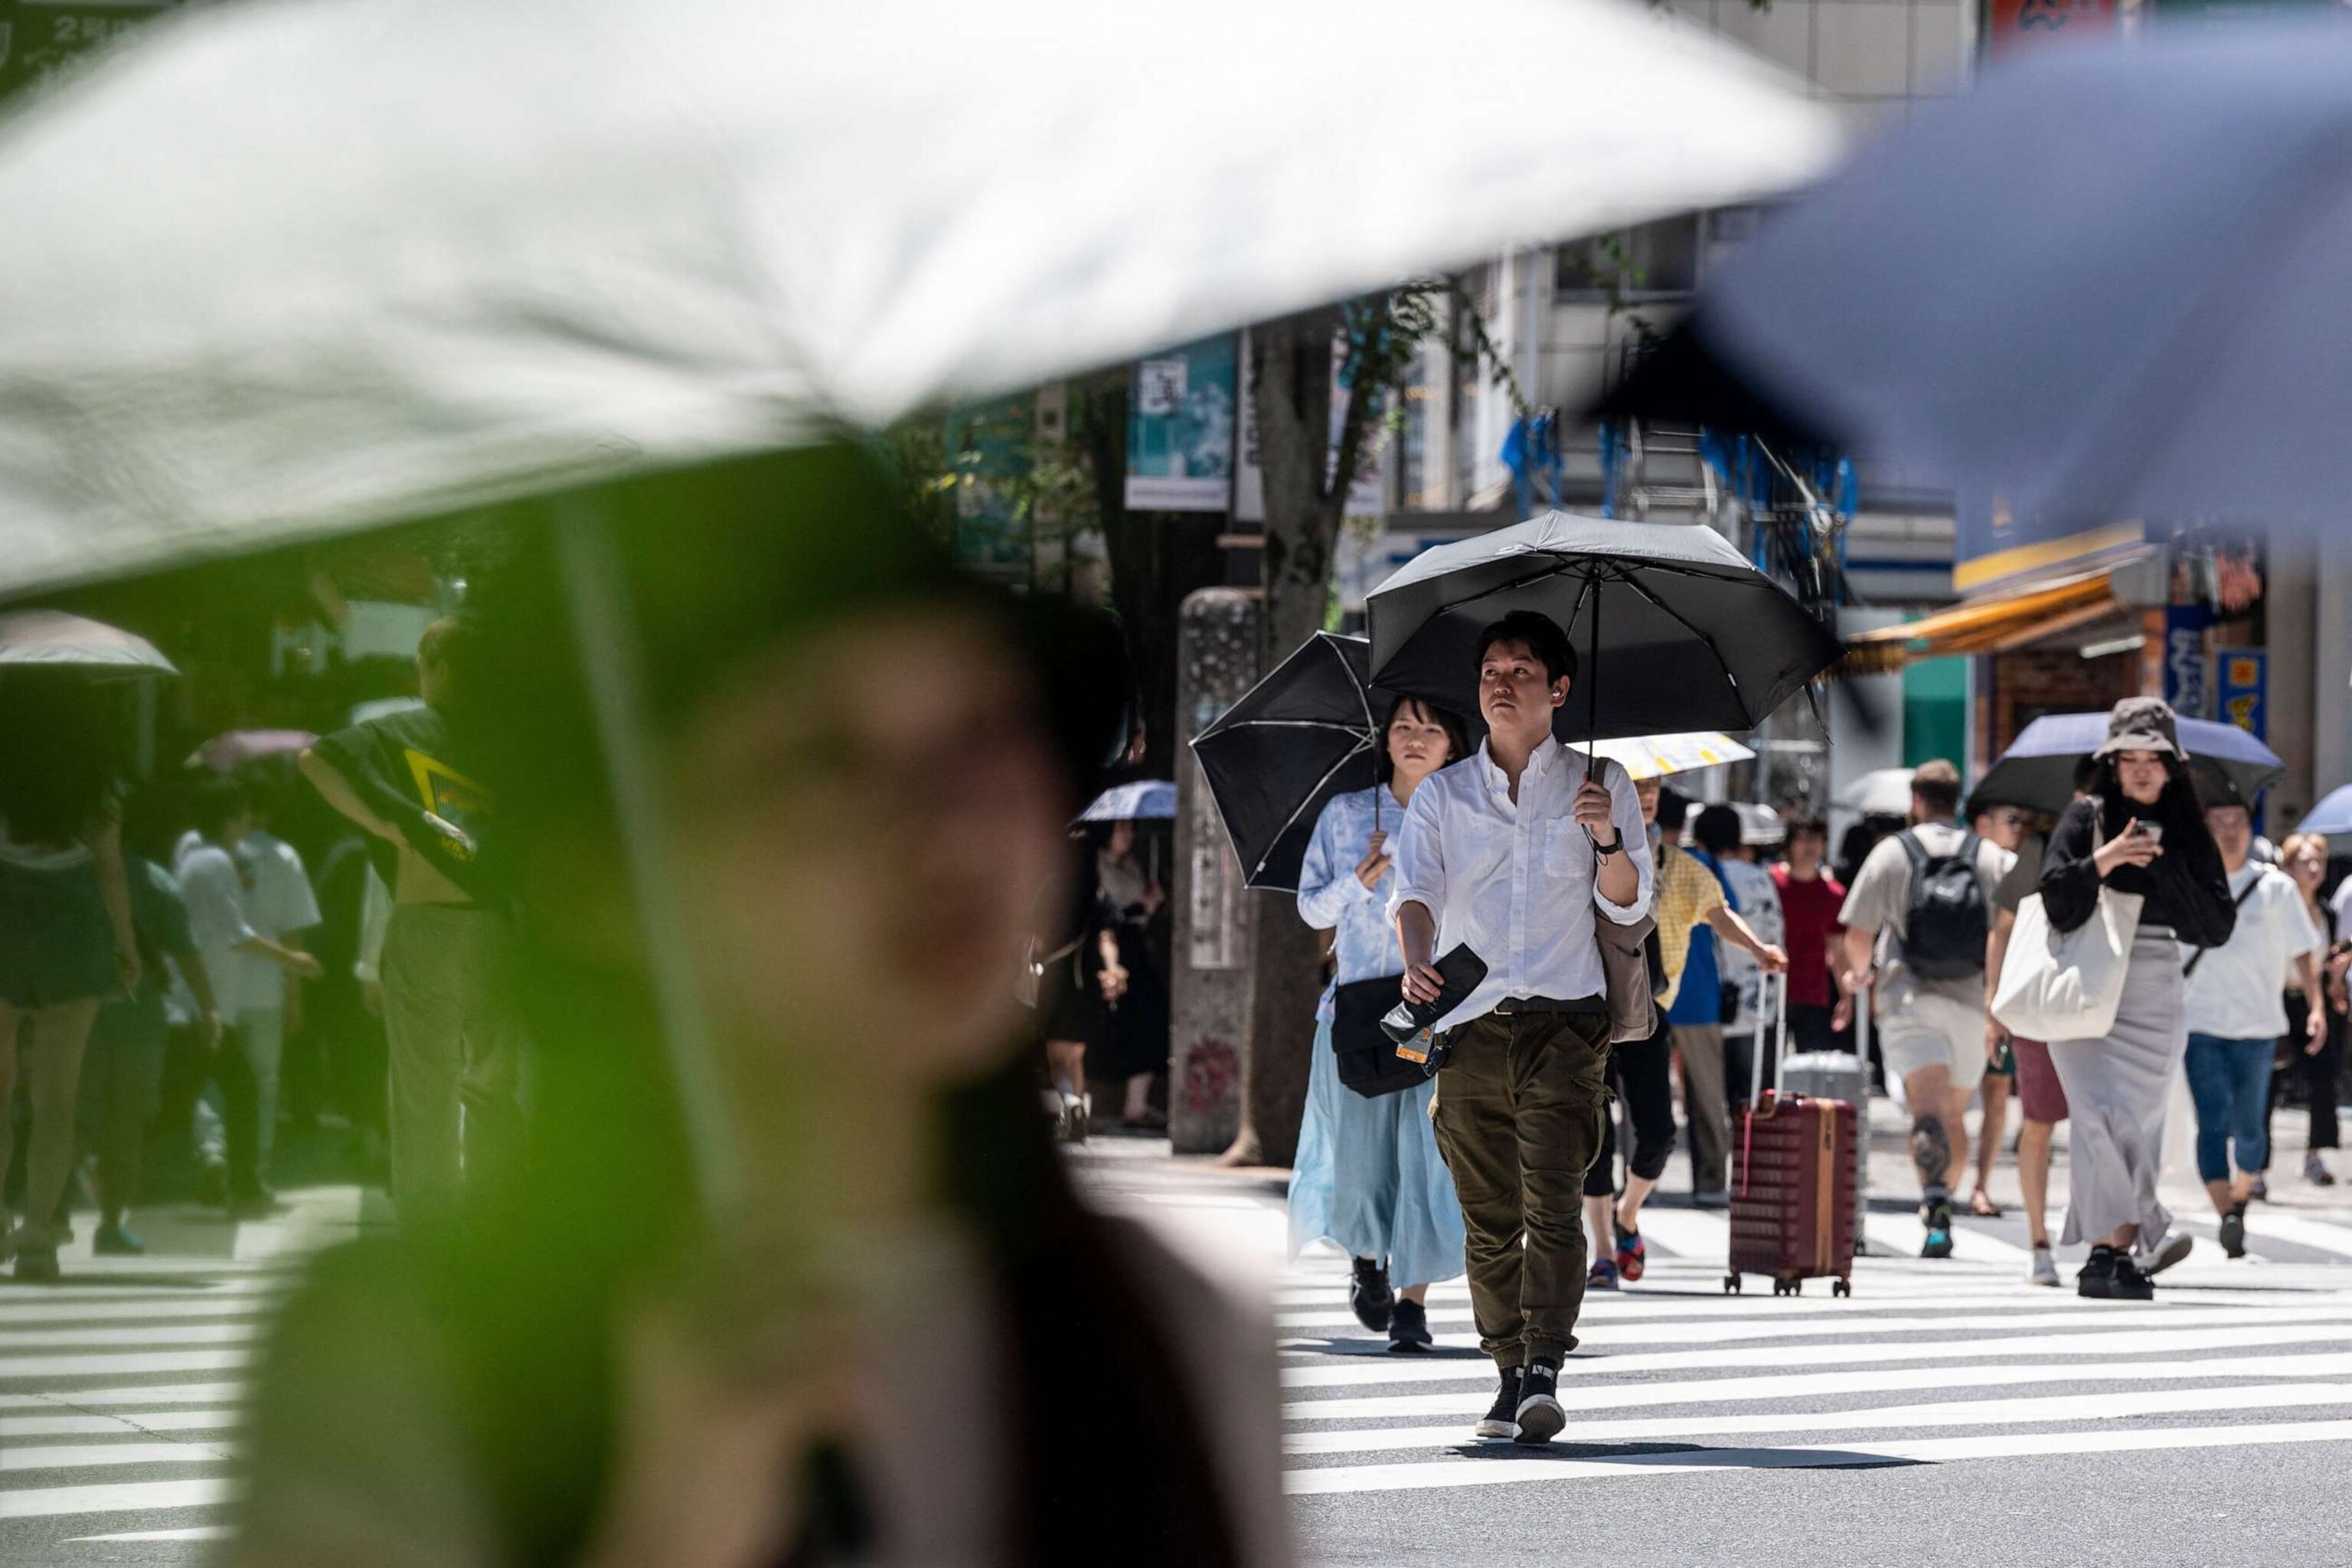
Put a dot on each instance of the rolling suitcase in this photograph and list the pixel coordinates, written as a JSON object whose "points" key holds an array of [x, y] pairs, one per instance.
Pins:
{"points": [[1795, 1200], [1838, 1075]]}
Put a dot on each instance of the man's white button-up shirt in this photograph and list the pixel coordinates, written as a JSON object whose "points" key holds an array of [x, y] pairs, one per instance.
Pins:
{"points": [[1514, 879]]}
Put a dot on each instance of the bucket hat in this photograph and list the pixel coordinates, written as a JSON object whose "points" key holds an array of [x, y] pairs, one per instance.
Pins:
{"points": [[2142, 724]]}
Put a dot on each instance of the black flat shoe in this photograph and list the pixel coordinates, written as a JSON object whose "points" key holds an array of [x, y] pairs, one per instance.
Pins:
{"points": [[1408, 1327], [1370, 1295]]}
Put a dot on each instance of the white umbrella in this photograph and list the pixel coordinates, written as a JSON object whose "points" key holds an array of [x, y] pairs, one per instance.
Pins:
{"points": [[1143, 800], [294, 266], [1881, 792], [1655, 756], [53, 639]]}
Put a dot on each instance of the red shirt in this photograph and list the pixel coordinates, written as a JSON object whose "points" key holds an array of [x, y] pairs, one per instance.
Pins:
{"points": [[1810, 912]]}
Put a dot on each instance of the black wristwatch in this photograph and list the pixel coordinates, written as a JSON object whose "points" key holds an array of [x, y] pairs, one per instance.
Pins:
{"points": [[1606, 850]]}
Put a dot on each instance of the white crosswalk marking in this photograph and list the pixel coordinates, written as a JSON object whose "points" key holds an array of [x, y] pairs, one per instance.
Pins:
{"points": [[1930, 1362], [122, 1388]]}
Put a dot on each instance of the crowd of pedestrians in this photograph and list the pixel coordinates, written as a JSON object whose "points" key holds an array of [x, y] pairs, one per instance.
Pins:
{"points": [[178, 994], [1512, 850]]}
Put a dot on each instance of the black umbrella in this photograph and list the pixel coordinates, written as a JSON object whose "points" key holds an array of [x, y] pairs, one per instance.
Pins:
{"points": [[1306, 733], [1676, 629]]}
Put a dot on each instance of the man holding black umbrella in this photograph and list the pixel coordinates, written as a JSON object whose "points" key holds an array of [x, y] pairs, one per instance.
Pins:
{"points": [[1517, 852]]}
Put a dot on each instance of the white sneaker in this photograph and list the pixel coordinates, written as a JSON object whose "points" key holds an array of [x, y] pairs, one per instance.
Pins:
{"points": [[2175, 1248], [2044, 1271]]}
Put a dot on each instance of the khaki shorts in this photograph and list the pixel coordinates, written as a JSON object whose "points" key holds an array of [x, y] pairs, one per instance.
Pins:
{"points": [[1921, 1028]]}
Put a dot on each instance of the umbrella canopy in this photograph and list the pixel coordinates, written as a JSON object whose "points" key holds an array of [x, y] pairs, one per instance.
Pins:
{"points": [[1881, 792], [1655, 756], [225, 753], [358, 260], [2038, 770], [2331, 816], [1307, 732], [1145, 799], [56, 640], [2106, 283], [1688, 633]]}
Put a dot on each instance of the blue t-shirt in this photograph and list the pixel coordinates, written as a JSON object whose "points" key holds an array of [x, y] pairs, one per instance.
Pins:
{"points": [[1700, 1000]]}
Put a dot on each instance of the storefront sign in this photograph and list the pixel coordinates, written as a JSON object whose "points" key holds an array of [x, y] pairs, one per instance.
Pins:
{"points": [[1179, 428], [1994, 548], [2186, 667], [2240, 687]]}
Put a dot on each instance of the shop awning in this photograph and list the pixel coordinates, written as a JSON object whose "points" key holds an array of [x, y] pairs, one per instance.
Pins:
{"points": [[1992, 625]]}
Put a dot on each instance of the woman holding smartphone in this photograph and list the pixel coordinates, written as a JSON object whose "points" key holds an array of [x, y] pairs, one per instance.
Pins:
{"points": [[2139, 830], [1368, 1174]]}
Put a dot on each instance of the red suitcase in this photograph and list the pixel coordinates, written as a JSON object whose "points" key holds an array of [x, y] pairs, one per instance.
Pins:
{"points": [[1792, 1198]]}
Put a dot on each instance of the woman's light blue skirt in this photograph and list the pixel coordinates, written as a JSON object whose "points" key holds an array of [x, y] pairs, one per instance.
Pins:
{"points": [[1368, 1177]]}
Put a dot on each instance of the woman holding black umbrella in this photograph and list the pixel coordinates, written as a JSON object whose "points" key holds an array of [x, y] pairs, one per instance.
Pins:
{"points": [[1368, 1174]]}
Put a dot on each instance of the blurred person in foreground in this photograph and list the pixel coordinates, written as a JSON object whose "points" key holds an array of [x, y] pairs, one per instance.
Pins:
{"points": [[67, 940], [1368, 1174], [908, 1342], [454, 1096], [2139, 831]]}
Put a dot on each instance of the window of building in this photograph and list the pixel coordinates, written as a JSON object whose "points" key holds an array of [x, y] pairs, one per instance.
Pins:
{"points": [[1653, 260]]}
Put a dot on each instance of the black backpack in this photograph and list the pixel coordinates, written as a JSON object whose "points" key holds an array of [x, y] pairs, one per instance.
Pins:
{"points": [[1944, 933]]}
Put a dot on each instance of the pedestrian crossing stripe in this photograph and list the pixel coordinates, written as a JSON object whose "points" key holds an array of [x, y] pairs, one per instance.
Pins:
{"points": [[1613, 1332], [121, 1497], [1514, 1469], [1647, 1395], [2105, 1406], [96, 1456], [2120, 1342], [129, 1423]]}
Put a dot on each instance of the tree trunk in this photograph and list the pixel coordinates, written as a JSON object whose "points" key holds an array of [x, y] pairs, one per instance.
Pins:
{"points": [[1290, 376], [1157, 559]]}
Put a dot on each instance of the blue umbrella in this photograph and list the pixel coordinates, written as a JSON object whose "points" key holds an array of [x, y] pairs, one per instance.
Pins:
{"points": [[2331, 816], [1154, 798], [2107, 283], [2038, 771]]}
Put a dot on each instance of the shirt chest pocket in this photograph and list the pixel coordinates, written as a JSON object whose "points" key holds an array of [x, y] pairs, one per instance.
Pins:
{"points": [[1567, 848]]}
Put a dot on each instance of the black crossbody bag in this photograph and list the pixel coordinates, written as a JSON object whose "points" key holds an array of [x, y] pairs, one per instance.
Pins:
{"points": [[1367, 1060]]}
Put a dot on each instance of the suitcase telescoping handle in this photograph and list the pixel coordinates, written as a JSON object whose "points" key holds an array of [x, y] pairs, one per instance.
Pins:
{"points": [[1780, 1016]]}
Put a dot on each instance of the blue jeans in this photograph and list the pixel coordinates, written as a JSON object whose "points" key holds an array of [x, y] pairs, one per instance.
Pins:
{"points": [[2230, 1082]]}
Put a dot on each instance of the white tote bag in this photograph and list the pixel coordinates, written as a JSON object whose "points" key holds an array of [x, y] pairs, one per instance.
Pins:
{"points": [[2066, 985]]}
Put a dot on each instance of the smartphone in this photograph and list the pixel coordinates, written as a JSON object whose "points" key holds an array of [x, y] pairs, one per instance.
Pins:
{"points": [[1409, 1023], [2146, 829]]}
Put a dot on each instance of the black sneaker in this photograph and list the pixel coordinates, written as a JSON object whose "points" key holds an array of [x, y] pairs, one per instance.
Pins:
{"points": [[1370, 1297], [2098, 1276], [1936, 1213], [2127, 1283], [1503, 1420], [2233, 1232], [1408, 1327], [37, 1261], [1541, 1416]]}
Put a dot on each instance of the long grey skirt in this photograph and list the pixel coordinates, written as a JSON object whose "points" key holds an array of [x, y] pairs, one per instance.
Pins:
{"points": [[2117, 1092]]}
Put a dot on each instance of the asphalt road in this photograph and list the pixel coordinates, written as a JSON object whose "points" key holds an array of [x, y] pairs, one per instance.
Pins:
{"points": [[1947, 1414]]}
